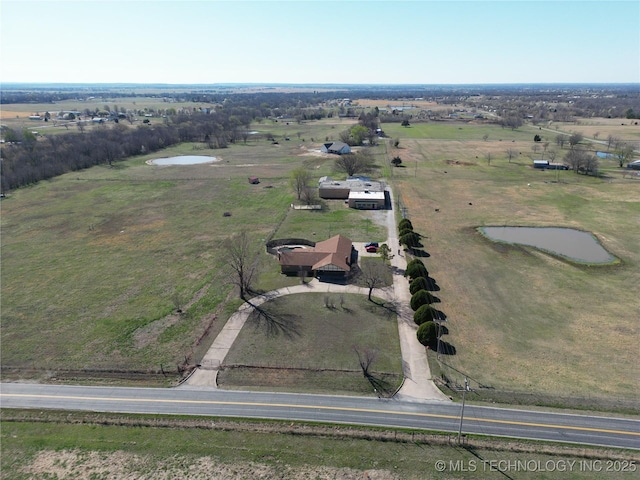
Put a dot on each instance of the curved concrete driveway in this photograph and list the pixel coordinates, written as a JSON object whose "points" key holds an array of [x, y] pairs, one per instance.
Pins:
{"points": [[417, 385]]}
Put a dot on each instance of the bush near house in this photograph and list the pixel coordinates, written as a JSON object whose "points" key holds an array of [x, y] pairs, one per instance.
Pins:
{"points": [[425, 313], [428, 334], [417, 284], [420, 298]]}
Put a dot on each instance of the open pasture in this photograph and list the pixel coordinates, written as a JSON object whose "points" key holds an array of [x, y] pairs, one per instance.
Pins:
{"points": [[123, 268], [521, 320], [627, 130]]}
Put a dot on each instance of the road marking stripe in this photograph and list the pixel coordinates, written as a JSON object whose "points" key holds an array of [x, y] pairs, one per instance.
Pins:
{"points": [[321, 407]]}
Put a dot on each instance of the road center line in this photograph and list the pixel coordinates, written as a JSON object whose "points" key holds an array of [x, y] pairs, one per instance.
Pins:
{"points": [[321, 407]]}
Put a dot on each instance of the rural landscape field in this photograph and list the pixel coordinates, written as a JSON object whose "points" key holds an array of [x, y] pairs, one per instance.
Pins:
{"points": [[119, 273]]}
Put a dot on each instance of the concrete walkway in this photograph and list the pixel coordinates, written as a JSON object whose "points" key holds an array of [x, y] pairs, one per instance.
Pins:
{"points": [[417, 385]]}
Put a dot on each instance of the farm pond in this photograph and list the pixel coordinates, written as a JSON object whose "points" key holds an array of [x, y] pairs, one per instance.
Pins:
{"points": [[183, 160], [569, 243]]}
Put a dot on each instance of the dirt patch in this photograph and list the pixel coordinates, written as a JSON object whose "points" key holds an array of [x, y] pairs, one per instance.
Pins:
{"points": [[457, 162], [88, 465], [148, 334]]}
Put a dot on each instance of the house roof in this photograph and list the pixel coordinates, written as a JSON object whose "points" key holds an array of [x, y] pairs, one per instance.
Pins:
{"points": [[366, 195], [335, 146], [333, 251]]}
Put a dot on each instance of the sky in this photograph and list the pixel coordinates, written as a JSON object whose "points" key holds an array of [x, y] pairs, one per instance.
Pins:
{"points": [[320, 42]]}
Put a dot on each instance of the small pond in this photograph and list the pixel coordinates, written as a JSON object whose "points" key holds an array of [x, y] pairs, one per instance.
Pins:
{"points": [[566, 242], [183, 160], [606, 155]]}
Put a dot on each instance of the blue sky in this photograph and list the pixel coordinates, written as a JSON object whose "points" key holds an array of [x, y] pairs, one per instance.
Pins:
{"points": [[382, 42]]}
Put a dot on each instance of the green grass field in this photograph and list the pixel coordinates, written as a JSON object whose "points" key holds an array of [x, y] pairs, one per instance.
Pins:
{"points": [[96, 263], [306, 343]]}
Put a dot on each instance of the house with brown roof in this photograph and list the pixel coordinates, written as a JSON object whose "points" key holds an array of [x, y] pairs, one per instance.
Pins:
{"points": [[332, 256]]}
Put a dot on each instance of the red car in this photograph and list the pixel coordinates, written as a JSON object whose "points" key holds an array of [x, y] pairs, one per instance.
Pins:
{"points": [[371, 248]]}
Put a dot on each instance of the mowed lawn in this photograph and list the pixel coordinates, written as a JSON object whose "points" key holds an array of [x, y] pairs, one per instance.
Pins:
{"points": [[521, 320], [309, 341]]}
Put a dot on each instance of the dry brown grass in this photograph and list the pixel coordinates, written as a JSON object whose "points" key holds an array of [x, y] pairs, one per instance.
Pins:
{"points": [[522, 320], [622, 128]]}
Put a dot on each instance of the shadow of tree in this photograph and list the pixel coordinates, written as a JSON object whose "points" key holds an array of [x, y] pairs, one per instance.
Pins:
{"points": [[473, 452], [273, 325], [397, 271], [446, 348], [420, 253], [439, 315], [382, 387], [432, 286]]}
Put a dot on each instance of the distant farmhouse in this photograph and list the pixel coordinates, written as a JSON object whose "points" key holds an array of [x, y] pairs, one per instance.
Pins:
{"points": [[333, 256], [546, 165], [635, 165], [360, 192], [337, 148]]}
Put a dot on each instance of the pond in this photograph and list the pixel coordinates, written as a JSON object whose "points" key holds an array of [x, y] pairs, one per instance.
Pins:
{"points": [[606, 155], [183, 160], [573, 244]]}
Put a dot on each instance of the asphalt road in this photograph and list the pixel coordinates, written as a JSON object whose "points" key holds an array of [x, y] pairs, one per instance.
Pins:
{"points": [[440, 416]]}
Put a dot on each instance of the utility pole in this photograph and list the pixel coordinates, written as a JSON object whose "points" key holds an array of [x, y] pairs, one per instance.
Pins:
{"points": [[466, 387], [439, 334]]}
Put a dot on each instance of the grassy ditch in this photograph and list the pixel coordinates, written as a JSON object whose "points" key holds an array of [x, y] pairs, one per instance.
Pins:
{"points": [[84, 445]]}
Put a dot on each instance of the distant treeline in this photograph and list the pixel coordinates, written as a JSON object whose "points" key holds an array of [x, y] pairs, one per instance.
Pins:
{"points": [[28, 160], [25, 159]]}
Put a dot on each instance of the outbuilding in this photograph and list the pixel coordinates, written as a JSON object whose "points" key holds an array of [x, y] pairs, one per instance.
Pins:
{"points": [[337, 148], [366, 200], [635, 165]]}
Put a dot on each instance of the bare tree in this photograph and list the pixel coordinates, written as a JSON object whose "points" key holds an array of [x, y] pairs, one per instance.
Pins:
{"points": [[624, 154], [353, 163], [299, 180], [561, 140], [488, 157], [373, 274], [309, 195], [582, 161], [511, 154], [365, 359], [242, 260], [575, 138]]}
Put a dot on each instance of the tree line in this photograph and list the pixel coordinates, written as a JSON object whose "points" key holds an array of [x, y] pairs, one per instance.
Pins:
{"points": [[26, 159]]}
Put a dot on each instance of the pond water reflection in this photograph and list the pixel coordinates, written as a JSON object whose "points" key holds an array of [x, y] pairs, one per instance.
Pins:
{"points": [[183, 160], [566, 242]]}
